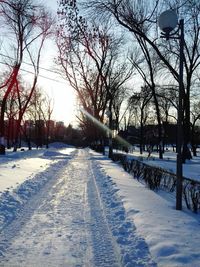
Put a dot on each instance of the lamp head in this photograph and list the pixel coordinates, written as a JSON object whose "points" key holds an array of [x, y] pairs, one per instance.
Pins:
{"points": [[167, 21]]}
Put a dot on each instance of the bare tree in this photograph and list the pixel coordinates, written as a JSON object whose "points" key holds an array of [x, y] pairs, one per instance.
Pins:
{"points": [[147, 66], [140, 18], [28, 24], [195, 115], [43, 109], [89, 55], [142, 100]]}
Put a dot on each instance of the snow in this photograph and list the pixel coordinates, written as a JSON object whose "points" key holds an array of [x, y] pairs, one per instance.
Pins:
{"points": [[74, 207], [168, 232], [14, 173], [16, 167]]}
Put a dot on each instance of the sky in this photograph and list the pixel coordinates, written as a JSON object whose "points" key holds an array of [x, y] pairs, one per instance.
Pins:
{"points": [[64, 99], [57, 88]]}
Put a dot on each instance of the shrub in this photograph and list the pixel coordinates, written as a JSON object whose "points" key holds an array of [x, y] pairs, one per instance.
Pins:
{"points": [[157, 178]]}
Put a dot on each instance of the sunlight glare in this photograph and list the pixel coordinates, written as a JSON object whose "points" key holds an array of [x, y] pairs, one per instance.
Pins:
{"points": [[105, 128]]}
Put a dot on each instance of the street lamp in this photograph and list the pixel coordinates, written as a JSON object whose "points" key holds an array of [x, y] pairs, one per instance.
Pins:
{"points": [[167, 22]]}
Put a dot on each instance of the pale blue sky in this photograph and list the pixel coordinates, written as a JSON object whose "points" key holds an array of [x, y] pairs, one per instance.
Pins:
{"points": [[61, 92]]}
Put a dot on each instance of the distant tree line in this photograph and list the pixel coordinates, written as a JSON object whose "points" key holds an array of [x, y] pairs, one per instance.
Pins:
{"points": [[37, 128], [40, 134]]}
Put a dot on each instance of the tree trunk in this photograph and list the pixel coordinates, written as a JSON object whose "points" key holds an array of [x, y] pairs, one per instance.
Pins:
{"points": [[141, 133], [186, 154], [2, 127], [159, 123], [110, 154]]}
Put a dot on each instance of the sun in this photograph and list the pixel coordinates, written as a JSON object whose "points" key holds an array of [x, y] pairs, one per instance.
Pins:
{"points": [[65, 104], [63, 98]]}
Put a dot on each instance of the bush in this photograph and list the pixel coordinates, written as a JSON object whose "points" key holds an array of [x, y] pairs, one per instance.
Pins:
{"points": [[157, 178]]}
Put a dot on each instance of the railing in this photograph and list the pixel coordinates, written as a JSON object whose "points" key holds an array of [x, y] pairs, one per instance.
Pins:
{"points": [[158, 178]]}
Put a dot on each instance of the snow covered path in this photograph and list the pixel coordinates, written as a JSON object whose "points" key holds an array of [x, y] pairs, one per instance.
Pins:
{"points": [[75, 219]]}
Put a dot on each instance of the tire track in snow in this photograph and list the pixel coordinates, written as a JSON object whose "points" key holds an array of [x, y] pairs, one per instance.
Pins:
{"points": [[18, 207], [75, 220], [51, 231], [133, 248], [63, 224], [105, 250]]}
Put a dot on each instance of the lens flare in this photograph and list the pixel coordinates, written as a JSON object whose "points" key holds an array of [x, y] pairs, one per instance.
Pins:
{"points": [[122, 141]]}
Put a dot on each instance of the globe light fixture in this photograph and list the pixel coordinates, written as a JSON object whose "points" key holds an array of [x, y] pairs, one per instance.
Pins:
{"points": [[167, 22]]}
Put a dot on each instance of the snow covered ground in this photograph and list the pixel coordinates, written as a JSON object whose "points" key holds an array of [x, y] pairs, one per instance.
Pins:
{"points": [[74, 207]]}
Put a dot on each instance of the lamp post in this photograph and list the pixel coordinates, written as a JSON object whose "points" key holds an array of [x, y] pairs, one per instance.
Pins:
{"points": [[167, 22]]}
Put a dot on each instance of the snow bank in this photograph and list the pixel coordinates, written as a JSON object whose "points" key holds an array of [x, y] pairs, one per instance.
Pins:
{"points": [[23, 174], [60, 145], [13, 201]]}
